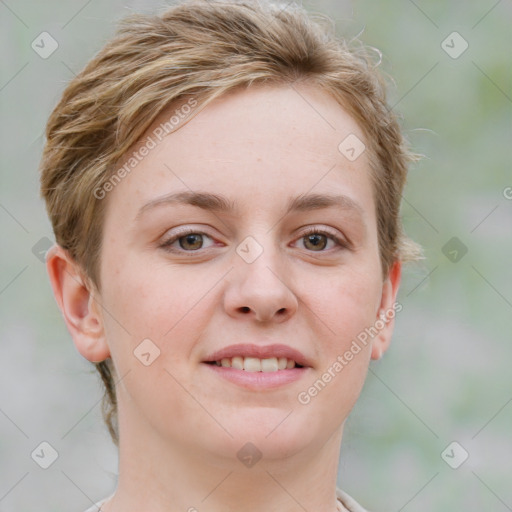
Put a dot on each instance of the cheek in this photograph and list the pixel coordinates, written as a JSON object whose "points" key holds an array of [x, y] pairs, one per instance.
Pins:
{"points": [[344, 354], [156, 303], [150, 298], [347, 303], [160, 302]]}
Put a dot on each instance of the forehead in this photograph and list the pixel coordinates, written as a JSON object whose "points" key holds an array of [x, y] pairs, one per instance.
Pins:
{"points": [[246, 144]]}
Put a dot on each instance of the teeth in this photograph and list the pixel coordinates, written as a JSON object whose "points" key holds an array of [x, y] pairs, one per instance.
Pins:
{"points": [[237, 362], [254, 364], [269, 365]]}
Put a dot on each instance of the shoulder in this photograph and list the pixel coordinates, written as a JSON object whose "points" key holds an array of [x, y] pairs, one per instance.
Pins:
{"points": [[349, 503]]}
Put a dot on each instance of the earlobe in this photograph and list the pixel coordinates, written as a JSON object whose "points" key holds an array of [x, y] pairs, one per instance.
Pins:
{"points": [[389, 307], [78, 303]]}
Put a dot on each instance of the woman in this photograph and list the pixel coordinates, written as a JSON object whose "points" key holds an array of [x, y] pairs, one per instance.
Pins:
{"points": [[224, 184]]}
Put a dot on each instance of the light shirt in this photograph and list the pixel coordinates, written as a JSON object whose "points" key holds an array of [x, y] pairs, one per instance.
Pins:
{"points": [[348, 502]]}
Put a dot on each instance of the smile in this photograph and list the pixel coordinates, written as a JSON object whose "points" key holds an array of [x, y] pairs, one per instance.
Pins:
{"points": [[254, 364]]}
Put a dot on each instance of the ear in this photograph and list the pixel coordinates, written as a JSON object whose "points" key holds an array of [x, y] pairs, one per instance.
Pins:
{"points": [[80, 308], [385, 318]]}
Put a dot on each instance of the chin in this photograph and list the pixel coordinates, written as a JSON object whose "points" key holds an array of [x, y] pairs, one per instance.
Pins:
{"points": [[273, 434]]}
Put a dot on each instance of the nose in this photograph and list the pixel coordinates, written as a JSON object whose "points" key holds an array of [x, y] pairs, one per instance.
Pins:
{"points": [[261, 289]]}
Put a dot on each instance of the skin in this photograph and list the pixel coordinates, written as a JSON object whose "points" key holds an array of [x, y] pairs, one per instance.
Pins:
{"points": [[181, 425]]}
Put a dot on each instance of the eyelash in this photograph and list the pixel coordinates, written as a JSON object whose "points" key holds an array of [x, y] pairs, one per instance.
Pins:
{"points": [[342, 244]]}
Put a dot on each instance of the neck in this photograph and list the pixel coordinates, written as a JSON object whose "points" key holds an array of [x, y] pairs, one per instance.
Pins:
{"points": [[161, 476]]}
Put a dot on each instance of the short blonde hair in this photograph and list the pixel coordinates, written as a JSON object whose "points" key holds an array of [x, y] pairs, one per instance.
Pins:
{"points": [[201, 49]]}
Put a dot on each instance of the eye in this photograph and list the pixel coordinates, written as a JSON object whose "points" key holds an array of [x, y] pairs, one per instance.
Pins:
{"points": [[189, 240], [317, 239]]}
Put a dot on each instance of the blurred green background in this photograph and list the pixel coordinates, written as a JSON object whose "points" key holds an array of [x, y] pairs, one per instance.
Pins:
{"points": [[447, 376]]}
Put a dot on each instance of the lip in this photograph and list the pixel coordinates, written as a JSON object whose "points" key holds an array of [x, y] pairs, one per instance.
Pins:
{"points": [[259, 351], [257, 381]]}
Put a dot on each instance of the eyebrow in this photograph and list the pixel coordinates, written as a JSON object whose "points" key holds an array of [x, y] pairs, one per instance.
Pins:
{"points": [[218, 203]]}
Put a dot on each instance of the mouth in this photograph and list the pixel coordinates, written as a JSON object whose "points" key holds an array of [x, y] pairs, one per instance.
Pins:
{"points": [[254, 364], [258, 367]]}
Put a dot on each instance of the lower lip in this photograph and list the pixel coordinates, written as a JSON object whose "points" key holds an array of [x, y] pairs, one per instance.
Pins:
{"points": [[258, 380]]}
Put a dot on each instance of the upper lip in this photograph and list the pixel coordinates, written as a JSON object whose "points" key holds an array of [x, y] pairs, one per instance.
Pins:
{"points": [[259, 351]]}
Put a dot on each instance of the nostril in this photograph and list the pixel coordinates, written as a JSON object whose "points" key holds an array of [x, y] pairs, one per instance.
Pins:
{"points": [[245, 309]]}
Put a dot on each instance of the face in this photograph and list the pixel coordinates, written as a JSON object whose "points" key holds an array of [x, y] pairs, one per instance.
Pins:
{"points": [[282, 262]]}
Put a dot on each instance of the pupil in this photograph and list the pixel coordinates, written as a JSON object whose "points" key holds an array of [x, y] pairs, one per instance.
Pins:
{"points": [[190, 239], [315, 240]]}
